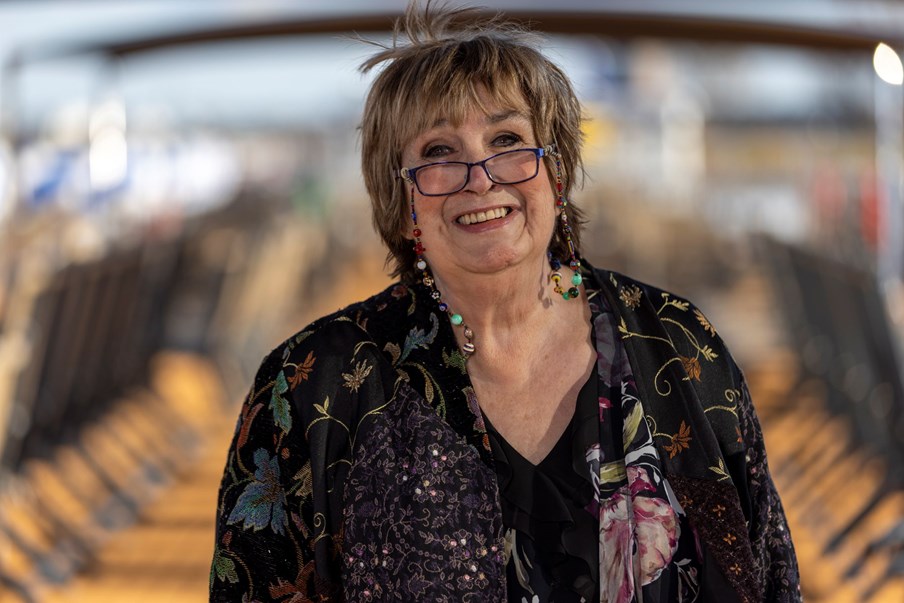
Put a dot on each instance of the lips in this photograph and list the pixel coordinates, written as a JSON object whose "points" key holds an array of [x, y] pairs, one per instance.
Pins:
{"points": [[483, 216]]}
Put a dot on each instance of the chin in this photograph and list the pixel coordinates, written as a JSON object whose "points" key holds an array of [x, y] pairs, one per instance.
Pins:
{"points": [[499, 259]]}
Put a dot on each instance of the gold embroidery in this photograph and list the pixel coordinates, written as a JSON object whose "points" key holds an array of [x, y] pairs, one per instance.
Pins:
{"points": [[630, 296], [353, 381], [720, 471], [707, 326]]}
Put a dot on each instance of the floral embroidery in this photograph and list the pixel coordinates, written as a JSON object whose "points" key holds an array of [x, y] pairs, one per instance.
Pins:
{"points": [[223, 568], [704, 322], [680, 441], [393, 528], [630, 296], [354, 380], [303, 370], [261, 503], [691, 367], [279, 405]]}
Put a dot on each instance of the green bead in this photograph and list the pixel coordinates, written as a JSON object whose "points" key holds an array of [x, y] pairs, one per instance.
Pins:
{"points": [[573, 292], [565, 295], [577, 279], [456, 319]]}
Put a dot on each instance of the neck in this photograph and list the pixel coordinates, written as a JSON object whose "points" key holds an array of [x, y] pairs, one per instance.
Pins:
{"points": [[508, 308]]}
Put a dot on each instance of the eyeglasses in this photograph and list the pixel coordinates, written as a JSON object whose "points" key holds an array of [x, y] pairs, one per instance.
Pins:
{"points": [[448, 177]]}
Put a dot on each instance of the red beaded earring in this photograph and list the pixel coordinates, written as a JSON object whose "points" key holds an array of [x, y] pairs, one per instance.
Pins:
{"points": [[420, 263]]}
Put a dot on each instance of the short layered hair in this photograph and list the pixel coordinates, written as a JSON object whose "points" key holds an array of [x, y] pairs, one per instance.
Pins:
{"points": [[437, 65]]}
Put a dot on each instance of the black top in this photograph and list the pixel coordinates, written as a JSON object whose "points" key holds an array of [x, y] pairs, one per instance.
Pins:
{"points": [[550, 531]]}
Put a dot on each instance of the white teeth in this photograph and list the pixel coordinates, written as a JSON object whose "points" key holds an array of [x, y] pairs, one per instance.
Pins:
{"points": [[483, 216]]}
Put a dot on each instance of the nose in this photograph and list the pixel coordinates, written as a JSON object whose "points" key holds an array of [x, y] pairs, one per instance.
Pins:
{"points": [[479, 179]]}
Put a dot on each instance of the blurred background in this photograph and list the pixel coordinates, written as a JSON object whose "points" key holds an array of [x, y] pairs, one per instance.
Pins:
{"points": [[180, 191]]}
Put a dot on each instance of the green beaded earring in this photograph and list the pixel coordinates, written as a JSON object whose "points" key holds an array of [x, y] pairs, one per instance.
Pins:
{"points": [[575, 263]]}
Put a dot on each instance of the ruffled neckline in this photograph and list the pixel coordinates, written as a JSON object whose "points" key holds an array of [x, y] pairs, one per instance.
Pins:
{"points": [[548, 502]]}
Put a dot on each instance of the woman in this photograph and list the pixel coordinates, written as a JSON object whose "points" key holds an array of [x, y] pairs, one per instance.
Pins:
{"points": [[506, 423]]}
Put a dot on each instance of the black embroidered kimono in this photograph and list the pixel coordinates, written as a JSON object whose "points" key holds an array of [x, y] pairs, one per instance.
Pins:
{"points": [[361, 468]]}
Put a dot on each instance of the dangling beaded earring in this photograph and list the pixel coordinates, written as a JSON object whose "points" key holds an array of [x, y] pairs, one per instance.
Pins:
{"points": [[420, 263], [575, 263]]}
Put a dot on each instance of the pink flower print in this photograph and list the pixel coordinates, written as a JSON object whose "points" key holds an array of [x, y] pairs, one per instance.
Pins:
{"points": [[639, 480], [616, 544], [656, 526]]}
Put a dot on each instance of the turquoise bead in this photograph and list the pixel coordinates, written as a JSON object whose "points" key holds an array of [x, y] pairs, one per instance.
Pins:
{"points": [[456, 319], [565, 295], [577, 279]]}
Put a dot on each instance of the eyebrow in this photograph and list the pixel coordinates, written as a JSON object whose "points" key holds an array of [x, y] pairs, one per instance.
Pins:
{"points": [[498, 117], [493, 119]]}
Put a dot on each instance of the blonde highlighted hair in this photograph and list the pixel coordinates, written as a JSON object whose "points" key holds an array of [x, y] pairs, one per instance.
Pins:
{"points": [[436, 65]]}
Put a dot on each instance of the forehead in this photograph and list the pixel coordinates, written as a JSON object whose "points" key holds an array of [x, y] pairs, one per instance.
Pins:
{"points": [[454, 109]]}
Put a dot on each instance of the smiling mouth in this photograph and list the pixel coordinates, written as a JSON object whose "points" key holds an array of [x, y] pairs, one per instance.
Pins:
{"points": [[483, 216]]}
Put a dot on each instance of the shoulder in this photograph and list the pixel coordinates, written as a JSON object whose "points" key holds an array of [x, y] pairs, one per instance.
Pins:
{"points": [[350, 343], [649, 314], [370, 323], [633, 293], [339, 356]]}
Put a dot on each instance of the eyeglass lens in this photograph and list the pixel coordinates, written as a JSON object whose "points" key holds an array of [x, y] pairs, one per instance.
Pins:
{"points": [[506, 168]]}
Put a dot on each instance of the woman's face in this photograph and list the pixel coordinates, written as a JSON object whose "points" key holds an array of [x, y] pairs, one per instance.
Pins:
{"points": [[460, 232]]}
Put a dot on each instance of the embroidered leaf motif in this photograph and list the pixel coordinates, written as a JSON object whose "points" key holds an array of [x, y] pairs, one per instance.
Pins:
{"points": [[394, 351], [623, 327], [704, 322], [708, 353], [630, 296], [418, 339], [355, 379], [304, 481], [295, 591], [681, 305], [691, 367], [455, 360], [261, 502], [428, 390], [303, 371], [248, 414], [325, 408], [223, 567], [279, 405], [680, 441], [720, 470]]}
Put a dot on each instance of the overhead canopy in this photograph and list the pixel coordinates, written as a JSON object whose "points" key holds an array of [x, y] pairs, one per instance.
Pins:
{"points": [[816, 23]]}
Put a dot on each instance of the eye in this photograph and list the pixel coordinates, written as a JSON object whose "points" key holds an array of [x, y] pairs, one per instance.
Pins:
{"points": [[507, 139], [436, 151]]}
